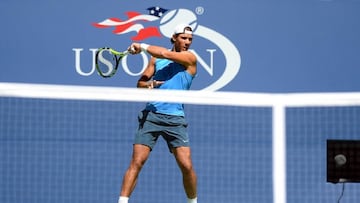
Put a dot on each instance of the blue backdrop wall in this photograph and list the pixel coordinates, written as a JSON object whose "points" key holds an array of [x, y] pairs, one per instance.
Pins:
{"points": [[257, 46], [63, 151]]}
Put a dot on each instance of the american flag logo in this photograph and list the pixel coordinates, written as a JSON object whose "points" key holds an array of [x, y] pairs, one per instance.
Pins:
{"points": [[134, 23]]}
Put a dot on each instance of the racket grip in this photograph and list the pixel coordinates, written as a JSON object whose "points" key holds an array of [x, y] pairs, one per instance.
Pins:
{"points": [[131, 50]]}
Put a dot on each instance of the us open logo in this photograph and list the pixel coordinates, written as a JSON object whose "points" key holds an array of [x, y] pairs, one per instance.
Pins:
{"points": [[162, 23]]}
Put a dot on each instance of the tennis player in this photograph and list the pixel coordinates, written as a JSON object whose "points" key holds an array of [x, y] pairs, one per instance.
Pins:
{"points": [[172, 69]]}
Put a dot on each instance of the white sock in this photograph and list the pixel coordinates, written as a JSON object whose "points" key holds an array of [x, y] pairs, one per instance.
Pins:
{"points": [[192, 200], [123, 199]]}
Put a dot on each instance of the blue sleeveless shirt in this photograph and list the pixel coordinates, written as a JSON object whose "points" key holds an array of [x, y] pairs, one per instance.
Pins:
{"points": [[175, 77]]}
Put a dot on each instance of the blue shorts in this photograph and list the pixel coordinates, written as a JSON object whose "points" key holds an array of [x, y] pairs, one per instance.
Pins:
{"points": [[152, 125]]}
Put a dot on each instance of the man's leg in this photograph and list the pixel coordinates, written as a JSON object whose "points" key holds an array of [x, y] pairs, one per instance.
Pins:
{"points": [[183, 159], [139, 157]]}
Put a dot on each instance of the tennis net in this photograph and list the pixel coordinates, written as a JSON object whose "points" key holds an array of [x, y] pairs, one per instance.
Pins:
{"points": [[73, 143]]}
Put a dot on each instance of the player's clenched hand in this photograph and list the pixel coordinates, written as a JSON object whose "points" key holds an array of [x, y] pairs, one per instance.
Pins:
{"points": [[154, 83], [134, 48]]}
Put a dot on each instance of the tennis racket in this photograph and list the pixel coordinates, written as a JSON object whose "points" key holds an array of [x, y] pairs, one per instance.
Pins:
{"points": [[107, 61]]}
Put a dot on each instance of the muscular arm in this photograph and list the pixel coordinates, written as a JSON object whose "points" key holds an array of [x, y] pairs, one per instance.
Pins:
{"points": [[186, 58], [145, 79], [147, 74]]}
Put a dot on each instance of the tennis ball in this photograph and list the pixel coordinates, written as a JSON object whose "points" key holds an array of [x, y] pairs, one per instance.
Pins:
{"points": [[174, 17]]}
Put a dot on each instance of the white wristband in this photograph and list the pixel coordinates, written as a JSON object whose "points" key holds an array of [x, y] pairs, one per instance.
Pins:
{"points": [[144, 46]]}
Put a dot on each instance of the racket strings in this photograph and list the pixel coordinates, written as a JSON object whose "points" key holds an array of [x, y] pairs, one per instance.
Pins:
{"points": [[106, 63]]}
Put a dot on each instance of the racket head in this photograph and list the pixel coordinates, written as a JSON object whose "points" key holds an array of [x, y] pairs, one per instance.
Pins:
{"points": [[107, 61]]}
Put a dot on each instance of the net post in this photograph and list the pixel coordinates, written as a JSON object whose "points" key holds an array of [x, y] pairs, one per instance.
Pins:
{"points": [[279, 154]]}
